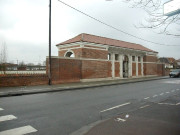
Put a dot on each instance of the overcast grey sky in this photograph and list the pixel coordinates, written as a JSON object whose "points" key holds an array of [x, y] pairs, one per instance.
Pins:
{"points": [[24, 26]]}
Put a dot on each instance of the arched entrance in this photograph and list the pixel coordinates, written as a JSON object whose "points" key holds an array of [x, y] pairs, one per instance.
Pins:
{"points": [[125, 66]]}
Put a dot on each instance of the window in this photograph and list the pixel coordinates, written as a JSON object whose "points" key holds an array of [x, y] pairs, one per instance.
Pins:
{"points": [[116, 57], [139, 59], [109, 56], [69, 54], [133, 58]]}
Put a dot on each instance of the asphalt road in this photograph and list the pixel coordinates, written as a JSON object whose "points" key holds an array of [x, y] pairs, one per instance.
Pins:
{"points": [[63, 113], [150, 119]]}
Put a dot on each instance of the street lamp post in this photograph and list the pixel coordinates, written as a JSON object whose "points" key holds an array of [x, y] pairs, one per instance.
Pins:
{"points": [[49, 64]]}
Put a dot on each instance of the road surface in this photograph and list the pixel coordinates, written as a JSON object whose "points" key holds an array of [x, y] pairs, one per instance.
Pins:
{"points": [[63, 113]]}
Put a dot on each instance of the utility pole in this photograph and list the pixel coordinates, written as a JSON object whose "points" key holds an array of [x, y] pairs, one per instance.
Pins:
{"points": [[49, 64]]}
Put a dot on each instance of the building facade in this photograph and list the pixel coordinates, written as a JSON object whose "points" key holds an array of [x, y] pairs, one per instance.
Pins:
{"points": [[168, 62], [88, 57]]}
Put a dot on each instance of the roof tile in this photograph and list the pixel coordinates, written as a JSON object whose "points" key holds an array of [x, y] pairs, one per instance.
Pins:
{"points": [[105, 41]]}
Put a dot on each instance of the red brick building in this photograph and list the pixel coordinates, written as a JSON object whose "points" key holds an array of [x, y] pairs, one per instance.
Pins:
{"points": [[88, 57]]}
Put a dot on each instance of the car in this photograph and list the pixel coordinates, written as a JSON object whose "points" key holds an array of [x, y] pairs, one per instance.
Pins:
{"points": [[175, 73]]}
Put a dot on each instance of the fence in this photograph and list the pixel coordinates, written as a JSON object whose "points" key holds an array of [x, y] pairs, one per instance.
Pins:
{"points": [[24, 72]]}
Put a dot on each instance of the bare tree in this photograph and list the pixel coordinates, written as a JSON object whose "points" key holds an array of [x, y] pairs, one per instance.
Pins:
{"points": [[44, 63], [3, 57], [30, 64], [156, 19], [22, 63], [39, 64]]}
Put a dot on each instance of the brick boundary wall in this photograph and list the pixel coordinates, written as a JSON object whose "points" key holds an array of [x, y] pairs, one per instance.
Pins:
{"points": [[23, 80], [162, 71], [65, 70], [150, 69], [73, 70], [94, 69], [167, 71]]}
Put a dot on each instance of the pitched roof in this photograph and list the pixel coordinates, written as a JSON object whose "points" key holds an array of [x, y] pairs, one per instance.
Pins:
{"points": [[163, 60], [171, 60], [105, 41]]}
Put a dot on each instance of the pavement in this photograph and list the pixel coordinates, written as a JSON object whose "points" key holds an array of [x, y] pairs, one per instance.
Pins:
{"points": [[150, 119], [26, 90]]}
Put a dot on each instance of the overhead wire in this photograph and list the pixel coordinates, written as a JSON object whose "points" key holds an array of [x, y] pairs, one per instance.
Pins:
{"points": [[113, 26]]}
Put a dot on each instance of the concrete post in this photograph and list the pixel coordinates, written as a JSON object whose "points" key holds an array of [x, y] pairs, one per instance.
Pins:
{"points": [[142, 66], [121, 65], [130, 66], [113, 65], [136, 59]]}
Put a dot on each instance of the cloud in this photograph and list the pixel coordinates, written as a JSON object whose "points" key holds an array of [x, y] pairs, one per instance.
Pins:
{"points": [[24, 26]]}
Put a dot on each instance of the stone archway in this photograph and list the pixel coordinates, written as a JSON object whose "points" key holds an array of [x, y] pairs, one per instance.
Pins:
{"points": [[125, 66]]}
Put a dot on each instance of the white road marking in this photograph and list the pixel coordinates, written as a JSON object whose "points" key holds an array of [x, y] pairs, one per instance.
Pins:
{"points": [[144, 106], [155, 95], [173, 82], [172, 90], [19, 131], [7, 117], [161, 94], [1, 109], [146, 98], [177, 89], [167, 92], [115, 107], [119, 119], [168, 104]]}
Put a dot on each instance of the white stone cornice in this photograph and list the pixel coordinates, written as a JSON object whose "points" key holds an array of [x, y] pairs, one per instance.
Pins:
{"points": [[151, 53], [82, 45], [150, 62], [69, 45], [96, 45], [58, 57], [65, 49], [121, 50]]}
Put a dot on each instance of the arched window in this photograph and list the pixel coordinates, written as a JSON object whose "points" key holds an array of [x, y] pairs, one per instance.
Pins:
{"points": [[69, 54]]}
